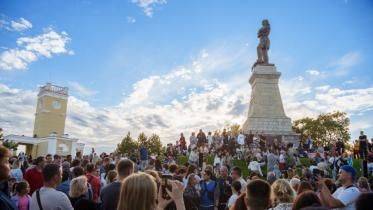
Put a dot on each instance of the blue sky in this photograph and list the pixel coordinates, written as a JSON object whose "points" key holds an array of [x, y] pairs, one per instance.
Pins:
{"points": [[131, 65]]}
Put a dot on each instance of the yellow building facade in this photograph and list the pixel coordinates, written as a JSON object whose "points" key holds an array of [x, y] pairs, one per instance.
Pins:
{"points": [[49, 126]]}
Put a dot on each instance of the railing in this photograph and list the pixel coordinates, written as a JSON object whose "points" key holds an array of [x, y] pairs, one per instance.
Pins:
{"points": [[54, 88]]}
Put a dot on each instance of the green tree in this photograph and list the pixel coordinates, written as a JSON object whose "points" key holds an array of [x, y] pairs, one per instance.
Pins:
{"points": [[142, 139], [325, 129], [8, 144], [154, 144], [235, 129], [127, 146]]}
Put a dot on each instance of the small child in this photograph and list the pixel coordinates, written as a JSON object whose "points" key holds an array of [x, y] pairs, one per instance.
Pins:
{"points": [[236, 189], [22, 199]]}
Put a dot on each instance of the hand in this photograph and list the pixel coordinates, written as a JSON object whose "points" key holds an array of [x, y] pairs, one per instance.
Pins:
{"points": [[320, 183], [177, 190], [162, 203]]}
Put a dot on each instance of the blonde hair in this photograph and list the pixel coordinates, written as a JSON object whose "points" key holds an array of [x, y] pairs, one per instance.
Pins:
{"points": [[138, 191], [78, 186], [282, 192]]}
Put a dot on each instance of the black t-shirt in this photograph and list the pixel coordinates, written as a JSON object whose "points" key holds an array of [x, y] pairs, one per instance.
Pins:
{"points": [[110, 196], [363, 141]]}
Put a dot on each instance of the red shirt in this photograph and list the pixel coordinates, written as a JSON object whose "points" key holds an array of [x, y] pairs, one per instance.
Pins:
{"points": [[94, 181], [34, 178]]}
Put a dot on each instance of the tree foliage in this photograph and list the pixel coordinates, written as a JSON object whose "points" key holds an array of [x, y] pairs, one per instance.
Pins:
{"points": [[154, 144], [326, 129], [235, 129], [8, 144], [129, 146]]}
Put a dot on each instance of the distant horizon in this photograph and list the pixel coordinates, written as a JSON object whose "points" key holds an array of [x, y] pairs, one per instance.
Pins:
{"points": [[169, 67]]}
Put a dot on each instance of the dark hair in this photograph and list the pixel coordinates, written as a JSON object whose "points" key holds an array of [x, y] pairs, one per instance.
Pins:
{"points": [[238, 170], [125, 167], [65, 174], [304, 186], [19, 186], [90, 167], [78, 171], [48, 155], [209, 173], [240, 203], [258, 194], [236, 185], [306, 199], [56, 156], [38, 160], [364, 201], [182, 170], [50, 170], [76, 162], [173, 168], [191, 169]]}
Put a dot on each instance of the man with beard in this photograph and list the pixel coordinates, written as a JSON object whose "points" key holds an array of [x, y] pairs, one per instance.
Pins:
{"points": [[344, 197]]}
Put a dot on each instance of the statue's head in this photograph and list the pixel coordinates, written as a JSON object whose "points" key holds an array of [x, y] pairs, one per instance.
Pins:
{"points": [[265, 22]]}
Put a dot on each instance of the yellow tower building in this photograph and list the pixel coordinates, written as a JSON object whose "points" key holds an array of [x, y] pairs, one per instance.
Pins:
{"points": [[51, 109], [49, 126]]}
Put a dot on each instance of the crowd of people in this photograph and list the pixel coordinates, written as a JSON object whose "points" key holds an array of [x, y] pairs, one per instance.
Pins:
{"points": [[273, 177]]}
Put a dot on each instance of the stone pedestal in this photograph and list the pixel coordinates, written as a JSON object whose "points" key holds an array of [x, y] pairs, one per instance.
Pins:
{"points": [[266, 112]]}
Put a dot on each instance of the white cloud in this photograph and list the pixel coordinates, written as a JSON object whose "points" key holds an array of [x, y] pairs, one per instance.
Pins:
{"points": [[80, 90], [131, 19], [346, 62], [148, 5], [313, 72], [31, 49], [184, 99], [15, 25], [20, 25]]}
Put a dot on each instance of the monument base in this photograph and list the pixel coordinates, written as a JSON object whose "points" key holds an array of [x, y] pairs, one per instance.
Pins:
{"points": [[266, 114]]}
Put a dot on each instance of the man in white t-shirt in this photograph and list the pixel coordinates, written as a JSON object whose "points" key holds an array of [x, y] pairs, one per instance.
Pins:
{"points": [[241, 139], [344, 197], [47, 197], [236, 174]]}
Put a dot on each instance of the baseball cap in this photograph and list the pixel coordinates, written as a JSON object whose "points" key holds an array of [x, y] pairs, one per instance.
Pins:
{"points": [[349, 169]]}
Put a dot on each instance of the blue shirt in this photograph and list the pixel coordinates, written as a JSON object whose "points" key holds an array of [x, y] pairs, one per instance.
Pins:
{"points": [[143, 153], [207, 193]]}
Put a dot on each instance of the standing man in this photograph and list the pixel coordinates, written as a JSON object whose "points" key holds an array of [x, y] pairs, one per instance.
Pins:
{"points": [[236, 176], [224, 185], [143, 157], [94, 180], [209, 192], [363, 145], [47, 197], [110, 193], [363, 149]]}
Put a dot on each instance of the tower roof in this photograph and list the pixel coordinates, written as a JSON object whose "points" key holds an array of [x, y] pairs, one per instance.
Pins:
{"points": [[53, 90]]}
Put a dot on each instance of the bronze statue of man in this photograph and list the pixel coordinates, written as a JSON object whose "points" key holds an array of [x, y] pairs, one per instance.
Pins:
{"points": [[264, 43]]}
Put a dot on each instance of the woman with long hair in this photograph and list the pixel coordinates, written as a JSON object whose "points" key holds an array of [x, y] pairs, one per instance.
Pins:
{"points": [[282, 195], [139, 191]]}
